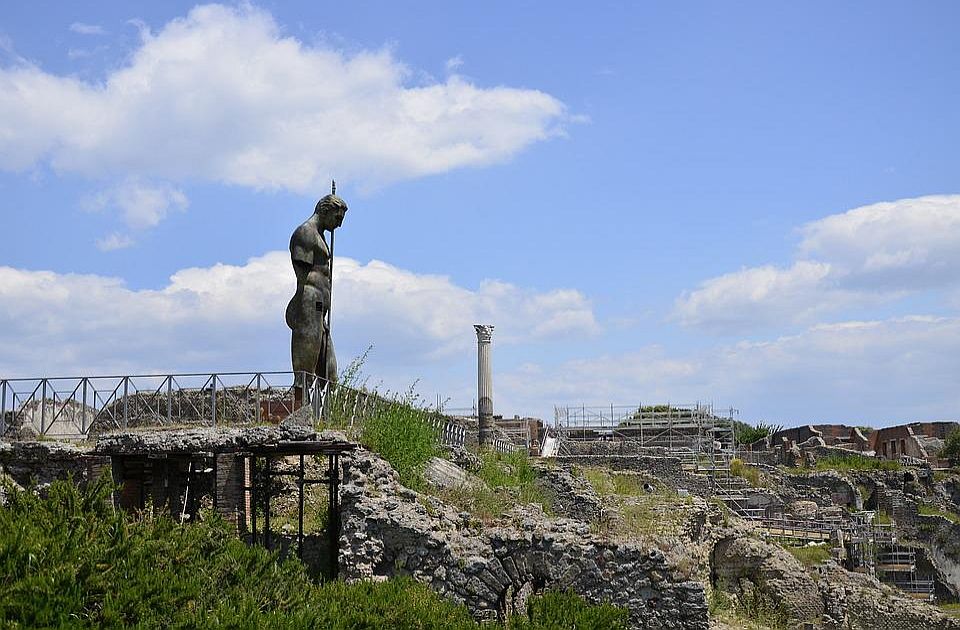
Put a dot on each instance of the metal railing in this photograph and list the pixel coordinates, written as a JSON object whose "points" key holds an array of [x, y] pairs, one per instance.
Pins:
{"points": [[76, 407]]}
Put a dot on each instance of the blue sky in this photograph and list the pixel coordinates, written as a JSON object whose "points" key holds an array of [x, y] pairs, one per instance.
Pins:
{"points": [[749, 203]]}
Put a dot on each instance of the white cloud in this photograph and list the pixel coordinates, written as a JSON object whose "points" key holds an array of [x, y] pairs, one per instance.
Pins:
{"points": [[882, 371], [87, 29], [866, 256], [907, 244], [454, 63], [758, 296], [231, 317], [141, 205], [114, 241], [224, 94]]}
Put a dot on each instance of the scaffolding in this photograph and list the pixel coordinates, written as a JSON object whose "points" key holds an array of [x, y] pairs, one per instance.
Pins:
{"points": [[683, 429]]}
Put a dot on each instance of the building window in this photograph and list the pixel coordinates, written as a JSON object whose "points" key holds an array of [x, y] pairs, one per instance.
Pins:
{"points": [[893, 447], [903, 447], [884, 449]]}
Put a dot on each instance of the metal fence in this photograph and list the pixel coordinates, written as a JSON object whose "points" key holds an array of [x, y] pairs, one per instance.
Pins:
{"points": [[517, 435], [77, 407]]}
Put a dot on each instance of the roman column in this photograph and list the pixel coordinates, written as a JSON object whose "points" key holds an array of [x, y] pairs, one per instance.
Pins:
{"points": [[484, 384]]}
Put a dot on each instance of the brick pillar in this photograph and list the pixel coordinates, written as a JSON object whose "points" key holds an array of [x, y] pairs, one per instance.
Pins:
{"points": [[228, 485]]}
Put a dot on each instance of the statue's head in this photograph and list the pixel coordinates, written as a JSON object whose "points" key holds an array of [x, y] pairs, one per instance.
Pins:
{"points": [[331, 210]]}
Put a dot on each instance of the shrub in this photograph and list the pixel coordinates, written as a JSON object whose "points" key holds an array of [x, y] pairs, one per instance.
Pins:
{"points": [[559, 611], [747, 434], [402, 434], [70, 560], [951, 447]]}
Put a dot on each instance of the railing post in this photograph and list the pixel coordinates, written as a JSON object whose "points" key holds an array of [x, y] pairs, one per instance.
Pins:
{"points": [[213, 399], [43, 407], [126, 391], [3, 407], [170, 399], [83, 407], [259, 377]]}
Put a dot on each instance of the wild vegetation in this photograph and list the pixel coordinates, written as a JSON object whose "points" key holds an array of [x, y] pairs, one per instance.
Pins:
{"points": [[399, 427], [932, 510], [71, 560], [751, 473], [748, 434], [505, 480], [847, 463], [402, 434], [636, 511], [756, 611], [951, 447], [811, 555]]}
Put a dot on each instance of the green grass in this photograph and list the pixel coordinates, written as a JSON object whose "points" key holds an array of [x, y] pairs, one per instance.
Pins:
{"points": [[756, 611], [882, 518], [401, 434], [71, 560], [642, 514], [810, 556], [951, 609], [565, 610], [744, 471], [599, 479], [847, 463], [608, 482], [508, 480], [932, 510]]}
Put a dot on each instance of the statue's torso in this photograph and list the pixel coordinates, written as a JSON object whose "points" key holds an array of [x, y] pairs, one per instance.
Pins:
{"points": [[311, 263]]}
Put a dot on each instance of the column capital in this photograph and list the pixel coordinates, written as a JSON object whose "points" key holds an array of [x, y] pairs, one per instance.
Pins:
{"points": [[484, 332]]}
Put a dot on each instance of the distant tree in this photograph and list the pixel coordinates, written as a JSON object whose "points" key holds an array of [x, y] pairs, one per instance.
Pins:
{"points": [[747, 434], [951, 447]]}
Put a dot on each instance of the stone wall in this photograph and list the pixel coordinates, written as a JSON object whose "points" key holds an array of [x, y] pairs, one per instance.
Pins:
{"points": [[41, 463], [826, 595], [388, 530], [825, 488], [572, 496], [664, 467]]}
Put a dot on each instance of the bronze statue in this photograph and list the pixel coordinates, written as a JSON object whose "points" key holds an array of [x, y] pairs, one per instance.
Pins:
{"points": [[308, 313]]}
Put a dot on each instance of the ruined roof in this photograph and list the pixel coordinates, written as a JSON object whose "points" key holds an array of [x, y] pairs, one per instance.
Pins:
{"points": [[172, 441]]}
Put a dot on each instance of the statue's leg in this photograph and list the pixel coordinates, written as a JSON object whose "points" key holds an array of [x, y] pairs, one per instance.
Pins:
{"points": [[330, 369], [305, 350]]}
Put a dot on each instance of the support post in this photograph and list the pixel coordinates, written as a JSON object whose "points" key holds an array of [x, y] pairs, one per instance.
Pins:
{"points": [[43, 407], [213, 399], [259, 377], [300, 510], [333, 513], [126, 391], [170, 400], [254, 479], [3, 407], [266, 502], [484, 384]]}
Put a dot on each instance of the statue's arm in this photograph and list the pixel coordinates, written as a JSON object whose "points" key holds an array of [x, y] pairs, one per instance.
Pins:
{"points": [[301, 250]]}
